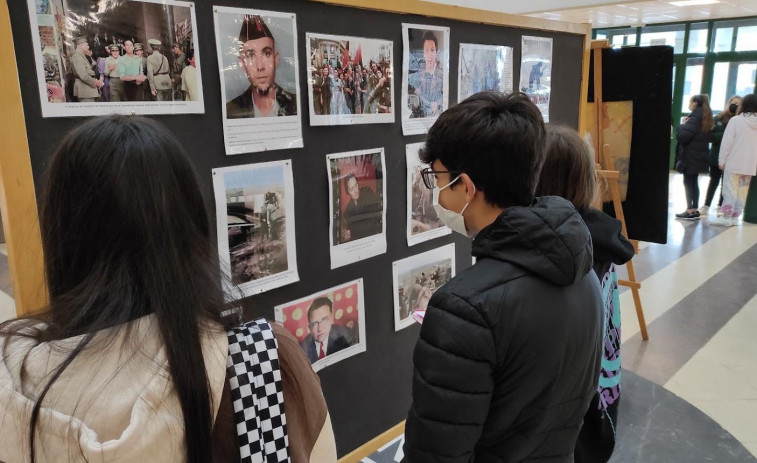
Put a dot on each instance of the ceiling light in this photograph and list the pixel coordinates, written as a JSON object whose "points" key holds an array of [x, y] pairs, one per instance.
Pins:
{"points": [[694, 2]]}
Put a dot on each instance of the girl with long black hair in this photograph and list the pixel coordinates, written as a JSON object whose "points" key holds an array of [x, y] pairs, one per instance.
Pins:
{"points": [[694, 143]]}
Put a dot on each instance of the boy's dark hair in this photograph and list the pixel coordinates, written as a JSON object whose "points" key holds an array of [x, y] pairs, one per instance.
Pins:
{"points": [[497, 139], [428, 35], [318, 303], [749, 104]]}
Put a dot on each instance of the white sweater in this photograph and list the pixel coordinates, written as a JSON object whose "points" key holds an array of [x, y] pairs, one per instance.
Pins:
{"points": [[738, 151]]}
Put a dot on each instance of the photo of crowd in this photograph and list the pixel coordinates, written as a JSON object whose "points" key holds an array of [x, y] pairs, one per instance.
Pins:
{"points": [[483, 68], [136, 51], [422, 222], [350, 80], [416, 278], [329, 325], [259, 246]]}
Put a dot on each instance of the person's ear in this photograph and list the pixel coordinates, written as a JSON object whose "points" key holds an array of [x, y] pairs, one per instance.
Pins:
{"points": [[470, 187], [276, 59]]}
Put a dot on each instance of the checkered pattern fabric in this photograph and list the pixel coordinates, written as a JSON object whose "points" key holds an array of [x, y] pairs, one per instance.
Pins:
{"points": [[255, 379]]}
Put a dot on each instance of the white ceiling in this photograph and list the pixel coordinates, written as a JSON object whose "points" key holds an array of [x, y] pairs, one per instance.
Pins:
{"points": [[604, 13]]}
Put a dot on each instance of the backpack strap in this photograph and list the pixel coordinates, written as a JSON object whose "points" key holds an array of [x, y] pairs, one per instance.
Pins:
{"points": [[254, 376]]}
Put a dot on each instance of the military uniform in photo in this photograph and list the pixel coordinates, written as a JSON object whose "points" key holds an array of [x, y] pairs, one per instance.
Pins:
{"points": [[116, 93], [85, 83], [158, 73], [179, 63]]}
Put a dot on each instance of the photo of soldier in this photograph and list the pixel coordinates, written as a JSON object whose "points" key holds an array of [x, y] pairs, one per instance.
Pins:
{"points": [[416, 278], [259, 59], [536, 71], [106, 39], [329, 325], [349, 76]]}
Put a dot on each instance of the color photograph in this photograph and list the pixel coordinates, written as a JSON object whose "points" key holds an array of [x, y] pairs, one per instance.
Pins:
{"points": [[422, 222], [350, 80], [257, 62], [483, 68], [128, 57], [536, 72], [425, 80], [416, 278], [256, 238], [357, 205], [329, 325]]}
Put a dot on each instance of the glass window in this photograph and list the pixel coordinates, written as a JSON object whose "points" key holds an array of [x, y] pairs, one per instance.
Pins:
{"points": [[617, 41], [719, 86], [723, 39], [745, 78], [631, 40], [698, 38], [746, 38], [656, 36], [673, 89], [601, 36], [692, 84]]}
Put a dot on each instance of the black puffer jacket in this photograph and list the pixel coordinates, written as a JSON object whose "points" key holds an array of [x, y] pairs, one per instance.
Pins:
{"points": [[695, 144], [509, 351]]}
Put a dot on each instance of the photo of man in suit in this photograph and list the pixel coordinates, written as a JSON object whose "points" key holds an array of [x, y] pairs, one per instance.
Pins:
{"points": [[325, 337]]}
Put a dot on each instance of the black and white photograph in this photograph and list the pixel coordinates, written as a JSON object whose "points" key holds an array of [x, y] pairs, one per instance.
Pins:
{"points": [[119, 56], [329, 325], [536, 71], [350, 80], [425, 80], [422, 222], [257, 63], [416, 279], [484, 68], [357, 204], [256, 237]]}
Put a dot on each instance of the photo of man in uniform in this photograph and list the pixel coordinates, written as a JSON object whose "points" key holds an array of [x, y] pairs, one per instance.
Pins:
{"points": [[325, 337], [259, 59], [158, 73], [362, 216], [86, 85]]}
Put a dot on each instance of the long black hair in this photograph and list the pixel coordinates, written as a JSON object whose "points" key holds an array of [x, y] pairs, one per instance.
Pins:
{"points": [[126, 233]]}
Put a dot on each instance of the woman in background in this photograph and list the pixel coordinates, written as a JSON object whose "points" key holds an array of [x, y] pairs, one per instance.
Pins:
{"points": [[694, 143], [128, 362], [716, 136], [569, 172]]}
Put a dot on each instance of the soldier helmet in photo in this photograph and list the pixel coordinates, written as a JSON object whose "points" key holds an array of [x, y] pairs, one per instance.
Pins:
{"points": [[154, 43], [138, 46], [253, 28], [80, 40]]}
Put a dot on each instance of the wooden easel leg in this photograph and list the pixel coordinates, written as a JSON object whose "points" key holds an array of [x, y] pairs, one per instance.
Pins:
{"points": [[637, 300]]}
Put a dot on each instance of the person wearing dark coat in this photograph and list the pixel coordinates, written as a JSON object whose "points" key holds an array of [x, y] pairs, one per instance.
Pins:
{"points": [[716, 137], [509, 350], [694, 149]]}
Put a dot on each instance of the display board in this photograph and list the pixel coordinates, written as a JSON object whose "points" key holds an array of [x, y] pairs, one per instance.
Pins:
{"points": [[370, 391]]}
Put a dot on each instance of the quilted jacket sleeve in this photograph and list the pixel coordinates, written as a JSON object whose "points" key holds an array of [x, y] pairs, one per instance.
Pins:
{"points": [[452, 382], [689, 129]]}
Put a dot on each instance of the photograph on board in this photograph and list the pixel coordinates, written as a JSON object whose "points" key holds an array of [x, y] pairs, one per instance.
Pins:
{"points": [[329, 325], [483, 68], [350, 80], [425, 80], [536, 71], [257, 62], [416, 278], [128, 57], [422, 222], [357, 205], [255, 223]]}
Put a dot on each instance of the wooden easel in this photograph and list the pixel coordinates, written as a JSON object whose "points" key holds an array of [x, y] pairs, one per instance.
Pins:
{"points": [[607, 170]]}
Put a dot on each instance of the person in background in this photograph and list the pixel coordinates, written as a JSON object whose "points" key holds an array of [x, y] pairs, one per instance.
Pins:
{"points": [[569, 172], [159, 73], [716, 137], [491, 380], [189, 79], [738, 160], [129, 68], [87, 84], [694, 147], [128, 362]]}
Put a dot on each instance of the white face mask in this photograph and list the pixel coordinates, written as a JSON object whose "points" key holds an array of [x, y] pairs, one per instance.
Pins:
{"points": [[453, 220]]}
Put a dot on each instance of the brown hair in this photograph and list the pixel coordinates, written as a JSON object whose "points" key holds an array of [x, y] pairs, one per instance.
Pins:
{"points": [[703, 100], [568, 170]]}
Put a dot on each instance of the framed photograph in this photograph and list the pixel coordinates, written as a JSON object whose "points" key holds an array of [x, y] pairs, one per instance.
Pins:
{"points": [[536, 72], [416, 278], [128, 57], [329, 325], [422, 222], [425, 80], [483, 68], [257, 62], [357, 205], [255, 223], [350, 80]]}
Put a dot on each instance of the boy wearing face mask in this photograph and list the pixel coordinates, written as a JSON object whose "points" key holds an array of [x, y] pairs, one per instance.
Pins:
{"points": [[509, 350]]}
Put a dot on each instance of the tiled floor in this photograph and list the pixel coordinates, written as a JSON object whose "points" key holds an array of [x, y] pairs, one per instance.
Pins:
{"points": [[690, 392]]}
